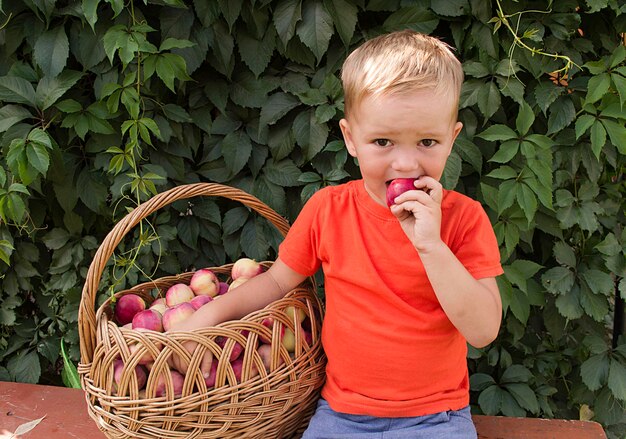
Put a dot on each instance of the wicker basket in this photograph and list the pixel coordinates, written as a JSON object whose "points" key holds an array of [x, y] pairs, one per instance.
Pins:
{"points": [[272, 403]]}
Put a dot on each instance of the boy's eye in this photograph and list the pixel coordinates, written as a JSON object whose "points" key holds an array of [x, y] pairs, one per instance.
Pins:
{"points": [[428, 143], [381, 142]]}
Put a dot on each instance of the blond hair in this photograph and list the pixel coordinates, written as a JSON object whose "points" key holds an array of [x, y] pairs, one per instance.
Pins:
{"points": [[399, 62]]}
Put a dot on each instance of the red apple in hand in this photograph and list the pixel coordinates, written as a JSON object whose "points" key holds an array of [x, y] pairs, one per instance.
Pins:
{"points": [[397, 187]]}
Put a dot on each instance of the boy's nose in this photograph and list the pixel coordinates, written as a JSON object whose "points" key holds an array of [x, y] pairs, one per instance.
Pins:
{"points": [[406, 159]]}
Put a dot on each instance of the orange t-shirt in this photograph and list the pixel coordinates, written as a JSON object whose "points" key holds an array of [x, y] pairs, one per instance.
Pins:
{"points": [[392, 351]]}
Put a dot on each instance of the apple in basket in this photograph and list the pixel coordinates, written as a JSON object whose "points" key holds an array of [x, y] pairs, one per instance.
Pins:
{"points": [[198, 301], [245, 267], [177, 314], [223, 288], [118, 370], [204, 283], [126, 307], [235, 283], [177, 384], [178, 293], [265, 352], [237, 348], [289, 340], [237, 366], [268, 322], [148, 319]]}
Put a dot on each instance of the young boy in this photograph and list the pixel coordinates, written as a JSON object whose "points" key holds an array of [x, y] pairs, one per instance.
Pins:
{"points": [[406, 286]]}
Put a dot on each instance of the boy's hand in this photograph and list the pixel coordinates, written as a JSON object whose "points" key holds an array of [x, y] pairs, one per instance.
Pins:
{"points": [[180, 363], [419, 213]]}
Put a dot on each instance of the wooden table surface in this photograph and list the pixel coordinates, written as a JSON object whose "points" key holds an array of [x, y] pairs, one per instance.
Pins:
{"points": [[64, 413]]}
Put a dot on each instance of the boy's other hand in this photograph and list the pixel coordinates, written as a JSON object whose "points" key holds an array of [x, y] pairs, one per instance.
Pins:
{"points": [[419, 213]]}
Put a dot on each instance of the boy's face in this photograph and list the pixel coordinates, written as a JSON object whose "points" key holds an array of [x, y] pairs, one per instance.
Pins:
{"points": [[400, 135]]}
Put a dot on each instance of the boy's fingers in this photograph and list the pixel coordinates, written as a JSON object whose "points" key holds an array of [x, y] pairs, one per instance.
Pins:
{"points": [[205, 364]]}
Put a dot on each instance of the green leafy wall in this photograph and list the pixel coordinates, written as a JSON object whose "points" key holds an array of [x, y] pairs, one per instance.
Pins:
{"points": [[105, 102]]}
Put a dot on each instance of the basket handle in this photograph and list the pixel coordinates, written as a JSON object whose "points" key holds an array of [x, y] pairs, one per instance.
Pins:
{"points": [[86, 311]]}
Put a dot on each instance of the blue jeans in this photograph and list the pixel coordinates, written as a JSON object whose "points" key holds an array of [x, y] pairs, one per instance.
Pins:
{"points": [[329, 424]]}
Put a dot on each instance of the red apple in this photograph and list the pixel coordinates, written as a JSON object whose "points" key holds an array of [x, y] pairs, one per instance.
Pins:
{"points": [[269, 323], [237, 366], [235, 283], [160, 307], [118, 369], [237, 349], [265, 352], [397, 187], [177, 384], [295, 313], [177, 314], [245, 267], [198, 301], [148, 319], [127, 306], [178, 293], [223, 288], [204, 283]]}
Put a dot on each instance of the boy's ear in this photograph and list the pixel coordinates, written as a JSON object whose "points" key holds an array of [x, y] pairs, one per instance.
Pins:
{"points": [[347, 136], [457, 130]]}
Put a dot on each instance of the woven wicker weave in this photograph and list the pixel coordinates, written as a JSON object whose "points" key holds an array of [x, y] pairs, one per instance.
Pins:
{"points": [[273, 404]]}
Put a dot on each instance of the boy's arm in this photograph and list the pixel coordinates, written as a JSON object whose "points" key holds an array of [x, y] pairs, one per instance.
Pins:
{"points": [[473, 306], [250, 296]]}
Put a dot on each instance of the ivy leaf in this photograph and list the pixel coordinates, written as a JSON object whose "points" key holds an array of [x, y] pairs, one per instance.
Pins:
{"points": [[524, 396], [256, 54], [594, 371], [276, 106], [50, 89], [617, 379], [597, 87], [546, 93], [562, 113], [286, 16], [236, 149], [25, 367], [498, 132], [12, 114], [52, 50], [558, 280], [417, 18], [90, 11], [17, 90], [284, 173], [568, 304], [344, 15], [316, 27], [451, 8], [489, 99], [525, 119], [170, 66], [598, 281], [490, 400], [617, 134], [309, 133]]}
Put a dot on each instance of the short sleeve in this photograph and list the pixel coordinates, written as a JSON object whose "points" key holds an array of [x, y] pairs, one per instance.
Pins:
{"points": [[300, 248]]}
